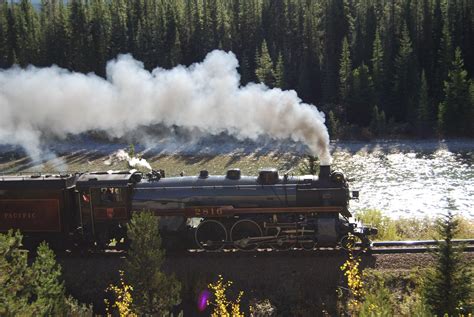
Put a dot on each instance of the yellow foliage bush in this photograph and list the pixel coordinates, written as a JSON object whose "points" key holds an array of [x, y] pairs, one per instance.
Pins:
{"points": [[123, 299], [224, 307], [355, 281]]}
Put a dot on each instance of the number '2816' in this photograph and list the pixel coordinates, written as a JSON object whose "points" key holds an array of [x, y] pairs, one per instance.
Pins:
{"points": [[208, 211]]}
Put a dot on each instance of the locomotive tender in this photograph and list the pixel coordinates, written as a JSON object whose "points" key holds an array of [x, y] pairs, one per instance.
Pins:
{"points": [[232, 210]]}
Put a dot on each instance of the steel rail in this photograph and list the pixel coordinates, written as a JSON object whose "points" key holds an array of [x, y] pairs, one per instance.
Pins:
{"points": [[418, 242], [410, 250]]}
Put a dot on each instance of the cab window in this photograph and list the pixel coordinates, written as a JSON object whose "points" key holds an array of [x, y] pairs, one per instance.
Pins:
{"points": [[108, 195]]}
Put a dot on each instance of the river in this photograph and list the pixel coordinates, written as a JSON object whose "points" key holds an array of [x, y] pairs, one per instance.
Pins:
{"points": [[410, 178]]}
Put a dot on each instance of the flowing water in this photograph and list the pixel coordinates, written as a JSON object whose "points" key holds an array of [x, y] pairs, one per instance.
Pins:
{"points": [[410, 178]]}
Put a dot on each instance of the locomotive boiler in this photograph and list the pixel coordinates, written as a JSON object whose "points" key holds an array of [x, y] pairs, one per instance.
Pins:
{"points": [[227, 211]]}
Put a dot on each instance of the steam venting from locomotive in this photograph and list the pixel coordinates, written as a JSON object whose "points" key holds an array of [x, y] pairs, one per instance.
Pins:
{"points": [[133, 162], [207, 96]]}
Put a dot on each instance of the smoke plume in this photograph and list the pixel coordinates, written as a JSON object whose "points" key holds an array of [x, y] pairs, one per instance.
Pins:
{"points": [[207, 96], [133, 162]]}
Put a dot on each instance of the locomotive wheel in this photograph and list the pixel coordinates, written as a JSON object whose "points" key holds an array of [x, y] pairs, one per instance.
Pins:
{"points": [[211, 235], [241, 231], [308, 245]]}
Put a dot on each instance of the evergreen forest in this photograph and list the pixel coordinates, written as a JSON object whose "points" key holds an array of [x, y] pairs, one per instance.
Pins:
{"points": [[373, 66]]}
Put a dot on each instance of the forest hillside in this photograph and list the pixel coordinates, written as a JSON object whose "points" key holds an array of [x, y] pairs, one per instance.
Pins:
{"points": [[374, 67]]}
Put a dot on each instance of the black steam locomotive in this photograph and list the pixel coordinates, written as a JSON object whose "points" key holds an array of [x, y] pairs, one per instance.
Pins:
{"points": [[230, 211]]}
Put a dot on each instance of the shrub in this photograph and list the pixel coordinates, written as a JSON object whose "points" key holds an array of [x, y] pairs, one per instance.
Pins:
{"points": [[387, 229], [309, 166], [411, 228], [355, 284], [224, 307], [122, 299], [393, 293], [413, 305], [377, 301], [262, 308]]}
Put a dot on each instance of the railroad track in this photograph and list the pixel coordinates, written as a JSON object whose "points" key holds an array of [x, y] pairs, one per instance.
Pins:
{"points": [[378, 247], [415, 246]]}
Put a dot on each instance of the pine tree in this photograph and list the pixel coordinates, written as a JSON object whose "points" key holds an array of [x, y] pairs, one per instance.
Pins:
{"points": [[118, 34], [154, 292], [80, 39], [27, 33], [15, 276], [333, 125], [364, 28], [172, 41], [427, 48], [264, 70], [49, 290], [11, 36], [345, 72], [55, 34], [378, 121], [244, 70], [361, 98], [100, 28], [378, 73], [455, 112], [224, 28], [304, 86], [405, 85], [280, 72], [448, 287], [424, 120], [4, 35], [444, 57], [34, 290], [471, 109], [335, 27]]}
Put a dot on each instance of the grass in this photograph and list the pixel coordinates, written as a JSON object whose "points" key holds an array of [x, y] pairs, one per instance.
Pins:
{"points": [[410, 228]]}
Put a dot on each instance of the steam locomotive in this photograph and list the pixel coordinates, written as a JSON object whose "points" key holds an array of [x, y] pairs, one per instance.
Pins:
{"points": [[212, 212]]}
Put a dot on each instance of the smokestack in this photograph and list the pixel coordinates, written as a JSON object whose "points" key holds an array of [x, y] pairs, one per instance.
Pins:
{"points": [[324, 172]]}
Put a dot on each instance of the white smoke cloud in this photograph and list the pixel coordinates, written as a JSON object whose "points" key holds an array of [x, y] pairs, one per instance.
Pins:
{"points": [[206, 96], [133, 162]]}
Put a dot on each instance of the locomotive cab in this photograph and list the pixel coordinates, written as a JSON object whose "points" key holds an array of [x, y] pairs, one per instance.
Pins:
{"points": [[104, 204]]}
